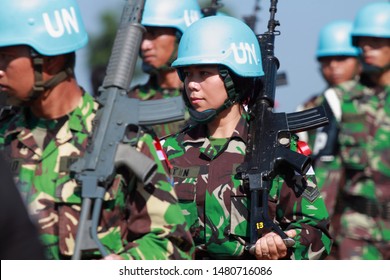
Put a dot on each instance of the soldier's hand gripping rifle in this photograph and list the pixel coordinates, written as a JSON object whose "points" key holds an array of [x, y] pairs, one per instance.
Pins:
{"points": [[109, 148], [268, 153]]}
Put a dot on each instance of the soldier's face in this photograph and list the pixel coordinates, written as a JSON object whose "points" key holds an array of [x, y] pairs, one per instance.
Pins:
{"points": [[204, 87], [339, 69], [16, 72], [376, 51], [158, 45]]}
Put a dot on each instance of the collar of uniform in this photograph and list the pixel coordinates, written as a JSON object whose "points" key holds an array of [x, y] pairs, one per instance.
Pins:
{"points": [[145, 92], [347, 86], [351, 90], [198, 134], [18, 129], [77, 120], [16, 123], [80, 119]]}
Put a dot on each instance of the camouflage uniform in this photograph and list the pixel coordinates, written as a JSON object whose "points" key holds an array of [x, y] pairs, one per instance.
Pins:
{"points": [[327, 162], [363, 191], [214, 201], [137, 223], [151, 91]]}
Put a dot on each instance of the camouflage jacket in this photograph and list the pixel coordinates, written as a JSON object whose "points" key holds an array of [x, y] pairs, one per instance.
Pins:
{"points": [[363, 190], [324, 141], [143, 222], [215, 202], [151, 91]]}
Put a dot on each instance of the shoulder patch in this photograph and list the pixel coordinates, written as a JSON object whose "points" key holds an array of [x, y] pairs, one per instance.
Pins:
{"points": [[307, 190], [311, 193]]}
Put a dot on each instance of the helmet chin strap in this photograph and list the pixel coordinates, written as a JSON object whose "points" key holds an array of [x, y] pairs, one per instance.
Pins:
{"points": [[41, 86], [208, 115], [372, 69]]}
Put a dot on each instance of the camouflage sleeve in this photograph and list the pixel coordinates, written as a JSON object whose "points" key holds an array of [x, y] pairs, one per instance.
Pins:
{"points": [[300, 206], [330, 176], [156, 226]]}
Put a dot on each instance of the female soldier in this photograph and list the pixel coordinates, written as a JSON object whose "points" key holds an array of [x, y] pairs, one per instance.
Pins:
{"points": [[219, 61]]}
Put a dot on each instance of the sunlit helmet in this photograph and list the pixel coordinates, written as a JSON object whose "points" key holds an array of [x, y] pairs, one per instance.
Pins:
{"points": [[373, 20], [51, 27], [335, 40], [221, 40], [177, 14], [229, 43]]}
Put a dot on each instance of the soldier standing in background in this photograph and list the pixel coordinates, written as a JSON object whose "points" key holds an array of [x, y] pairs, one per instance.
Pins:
{"points": [[363, 197], [165, 22], [339, 63], [340, 67], [37, 59], [219, 76]]}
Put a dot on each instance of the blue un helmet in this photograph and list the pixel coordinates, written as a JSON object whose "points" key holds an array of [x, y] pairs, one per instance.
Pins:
{"points": [[335, 40], [224, 41], [50, 27], [178, 14], [373, 20]]}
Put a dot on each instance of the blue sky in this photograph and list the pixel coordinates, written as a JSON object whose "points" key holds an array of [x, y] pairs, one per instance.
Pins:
{"points": [[300, 22]]}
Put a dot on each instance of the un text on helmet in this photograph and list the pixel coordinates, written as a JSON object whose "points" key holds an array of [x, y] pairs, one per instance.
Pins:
{"points": [[244, 53], [64, 21]]}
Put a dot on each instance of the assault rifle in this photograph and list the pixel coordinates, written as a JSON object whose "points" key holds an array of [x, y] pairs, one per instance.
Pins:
{"points": [[268, 154], [109, 148]]}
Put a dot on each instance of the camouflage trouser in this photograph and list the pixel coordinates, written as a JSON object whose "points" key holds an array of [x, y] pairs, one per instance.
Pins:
{"points": [[354, 249]]}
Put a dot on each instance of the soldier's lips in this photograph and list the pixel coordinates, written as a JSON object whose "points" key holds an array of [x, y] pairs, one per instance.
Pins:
{"points": [[369, 59], [3, 88], [148, 58], [195, 101]]}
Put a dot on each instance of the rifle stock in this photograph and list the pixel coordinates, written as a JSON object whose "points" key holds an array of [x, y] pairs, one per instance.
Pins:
{"points": [[268, 153], [108, 147]]}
